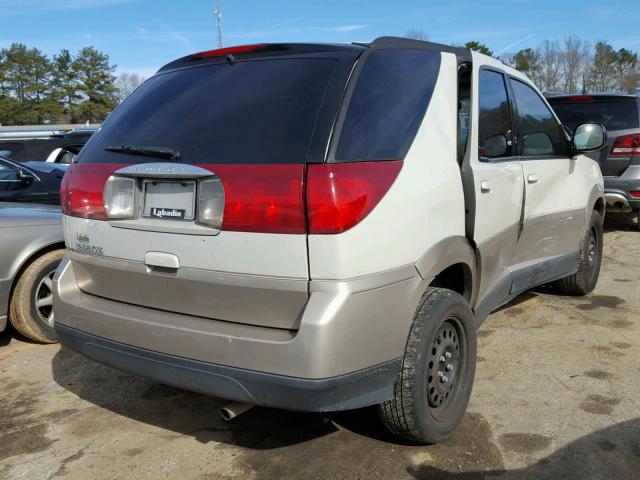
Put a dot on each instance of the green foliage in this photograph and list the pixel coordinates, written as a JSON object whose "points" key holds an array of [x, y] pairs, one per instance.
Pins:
{"points": [[96, 82], [35, 89], [526, 60], [479, 47], [578, 67], [65, 81]]}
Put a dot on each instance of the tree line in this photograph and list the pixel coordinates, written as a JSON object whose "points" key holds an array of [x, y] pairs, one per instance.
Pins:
{"points": [[66, 88], [81, 87], [572, 65]]}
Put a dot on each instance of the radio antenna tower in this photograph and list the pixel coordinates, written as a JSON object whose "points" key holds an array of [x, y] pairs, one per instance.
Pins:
{"points": [[218, 14]]}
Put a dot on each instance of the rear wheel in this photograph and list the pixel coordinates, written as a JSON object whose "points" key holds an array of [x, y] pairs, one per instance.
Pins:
{"points": [[433, 387], [589, 261], [31, 309]]}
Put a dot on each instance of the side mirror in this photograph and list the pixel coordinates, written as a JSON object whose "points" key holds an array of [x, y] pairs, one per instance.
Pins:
{"points": [[25, 177], [588, 137], [494, 146]]}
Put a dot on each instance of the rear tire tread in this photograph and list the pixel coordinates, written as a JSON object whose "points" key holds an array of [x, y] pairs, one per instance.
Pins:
{"points": [[577, 284], [397, 414]]}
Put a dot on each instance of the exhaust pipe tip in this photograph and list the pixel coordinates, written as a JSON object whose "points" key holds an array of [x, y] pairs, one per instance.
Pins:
{"points": [[232, 410]]}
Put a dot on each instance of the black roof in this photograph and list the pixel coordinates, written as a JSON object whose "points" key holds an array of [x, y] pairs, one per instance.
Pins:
{"points": [[268, 49], [401, 42]]}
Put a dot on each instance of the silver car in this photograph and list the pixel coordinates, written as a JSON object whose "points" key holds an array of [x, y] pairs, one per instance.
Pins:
{"points": [[31, 246]]}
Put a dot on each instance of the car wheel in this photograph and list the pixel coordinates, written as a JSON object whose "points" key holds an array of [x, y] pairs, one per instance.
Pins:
{"points": [[433, 387], [31, 309], [589, 261]]}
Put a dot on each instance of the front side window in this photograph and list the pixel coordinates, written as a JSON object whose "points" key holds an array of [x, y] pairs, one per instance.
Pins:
{"points": [[8, 173], [538, 130], [388, 104], [494, 133]]}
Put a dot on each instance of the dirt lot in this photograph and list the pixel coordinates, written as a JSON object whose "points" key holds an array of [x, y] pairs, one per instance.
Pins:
{"points": [[557, 395]]}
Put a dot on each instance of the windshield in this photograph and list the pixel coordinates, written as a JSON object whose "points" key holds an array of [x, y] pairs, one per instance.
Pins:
{"points": [[259, 111], [617, 114]]}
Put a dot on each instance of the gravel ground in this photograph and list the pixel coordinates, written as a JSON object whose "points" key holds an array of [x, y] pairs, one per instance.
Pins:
{"points": [[557, 395]]}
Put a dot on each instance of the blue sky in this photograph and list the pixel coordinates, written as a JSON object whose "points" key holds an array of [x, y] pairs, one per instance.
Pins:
{"points": [[142, 35]]}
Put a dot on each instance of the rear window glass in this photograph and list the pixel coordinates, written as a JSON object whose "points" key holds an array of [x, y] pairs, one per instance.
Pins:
{"points": [[620, 114], [387, 105], [261, 111]]}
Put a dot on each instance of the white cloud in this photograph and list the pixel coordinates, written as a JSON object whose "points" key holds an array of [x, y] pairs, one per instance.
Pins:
{"points": [[284, 24], [513, 44], [344, 28], [164, 34]]}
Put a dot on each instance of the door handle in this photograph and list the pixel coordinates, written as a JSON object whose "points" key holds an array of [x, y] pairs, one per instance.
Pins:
{"points": [[485, 186], [160, 260], [533, 178]]}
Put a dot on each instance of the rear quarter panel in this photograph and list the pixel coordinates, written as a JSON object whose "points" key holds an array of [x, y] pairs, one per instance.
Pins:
{"points": [[423, 206]]}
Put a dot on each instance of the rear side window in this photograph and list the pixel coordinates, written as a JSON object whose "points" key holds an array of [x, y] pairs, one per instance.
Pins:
{"points": [[538, 130], [614, 114], [260, 111], [494, 133], [388, 104]]}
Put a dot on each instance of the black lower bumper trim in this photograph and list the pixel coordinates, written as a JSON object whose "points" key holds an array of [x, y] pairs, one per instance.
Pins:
{"points": [[366, 387]]}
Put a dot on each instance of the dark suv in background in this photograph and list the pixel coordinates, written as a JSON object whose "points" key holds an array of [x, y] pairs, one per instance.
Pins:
{"points": [[620, 161], [60, 147]]}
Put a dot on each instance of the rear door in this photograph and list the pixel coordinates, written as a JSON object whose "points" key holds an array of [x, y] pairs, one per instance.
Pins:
{"points": [[494, 173], [251, 125], [556, 192]]}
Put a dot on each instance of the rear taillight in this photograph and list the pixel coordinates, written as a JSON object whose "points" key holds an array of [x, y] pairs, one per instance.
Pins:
{"points": [[627, 145], [262, 198], [120, 197], [580, 98], [81, 192], [340, 195], [247, 198], [635, 194], [210, 202], [230, 50]]}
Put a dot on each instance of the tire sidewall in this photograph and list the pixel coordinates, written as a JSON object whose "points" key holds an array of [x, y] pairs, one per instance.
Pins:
{"points": [[591, 276], [31, 287], [450, 305]]}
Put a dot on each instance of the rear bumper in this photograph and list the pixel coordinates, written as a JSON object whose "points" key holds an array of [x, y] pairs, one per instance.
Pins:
{"points": [[345, 354], [365, 387], [617, 190]]}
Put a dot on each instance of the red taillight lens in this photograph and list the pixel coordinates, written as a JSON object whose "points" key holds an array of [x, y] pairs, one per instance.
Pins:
{"points": [[230, 50], [627, 145], [580, 98], [635, 194], [262, 198], [82, 188], [340, 195]]}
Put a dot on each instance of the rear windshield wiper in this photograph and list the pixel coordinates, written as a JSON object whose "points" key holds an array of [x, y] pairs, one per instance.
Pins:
{"points": [[158, 152]]}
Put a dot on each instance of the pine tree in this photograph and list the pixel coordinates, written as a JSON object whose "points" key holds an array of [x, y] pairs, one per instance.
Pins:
{"points": [[95, 84]]}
